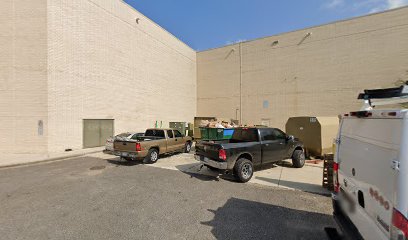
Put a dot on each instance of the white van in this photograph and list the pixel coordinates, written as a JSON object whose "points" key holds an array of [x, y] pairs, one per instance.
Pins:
{"points": [[370, 200]]}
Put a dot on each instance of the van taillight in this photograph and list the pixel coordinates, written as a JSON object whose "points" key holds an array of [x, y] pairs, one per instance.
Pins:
{"points": [[222, 154], [400, 222], [138, 147], [336, 167]]}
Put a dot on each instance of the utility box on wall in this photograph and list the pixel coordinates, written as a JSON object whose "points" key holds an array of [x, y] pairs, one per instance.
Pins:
{"points": [[181, 126], [316, 133]]}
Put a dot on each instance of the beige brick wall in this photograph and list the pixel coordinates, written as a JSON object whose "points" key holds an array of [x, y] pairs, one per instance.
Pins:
{"points": [[62, 61], [23, 81], [320, 76], [103, 65]]}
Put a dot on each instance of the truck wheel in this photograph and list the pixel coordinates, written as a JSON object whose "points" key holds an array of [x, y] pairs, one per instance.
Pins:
{"points": [[152, 156], [244, 170], [298, 158], [187, 147]]}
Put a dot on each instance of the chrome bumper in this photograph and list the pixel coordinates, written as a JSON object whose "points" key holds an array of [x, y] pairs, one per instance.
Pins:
{"points": [[125, 154], [211, 163]]}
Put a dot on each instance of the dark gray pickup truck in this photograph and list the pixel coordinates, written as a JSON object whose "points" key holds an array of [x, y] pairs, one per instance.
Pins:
{"points": [[250, 147]]}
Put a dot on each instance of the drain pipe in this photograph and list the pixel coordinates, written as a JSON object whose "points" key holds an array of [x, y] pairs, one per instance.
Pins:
{"points": [[240, 83]]}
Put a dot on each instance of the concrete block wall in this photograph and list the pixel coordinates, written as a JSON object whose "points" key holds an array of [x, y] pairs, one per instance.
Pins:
{"points": [[317, 75], [23, 76], [102, 64]]}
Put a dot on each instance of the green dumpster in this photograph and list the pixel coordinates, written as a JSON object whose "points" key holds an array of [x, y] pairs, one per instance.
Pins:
{"points": [[216, 133]]}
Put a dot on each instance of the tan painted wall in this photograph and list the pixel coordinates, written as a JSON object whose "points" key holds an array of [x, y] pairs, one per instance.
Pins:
{"points": [[23, 81], [320, 76], [103, 65]]}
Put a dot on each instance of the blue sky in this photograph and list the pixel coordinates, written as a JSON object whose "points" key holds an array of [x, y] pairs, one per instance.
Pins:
{"points": [[204, 24]]}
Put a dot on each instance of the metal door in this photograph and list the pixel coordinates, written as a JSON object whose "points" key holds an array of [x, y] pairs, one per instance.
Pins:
{"points": [[96, 131]]}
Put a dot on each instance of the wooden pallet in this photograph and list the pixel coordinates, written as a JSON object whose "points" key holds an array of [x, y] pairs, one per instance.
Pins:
{"points": [[328, 172]]}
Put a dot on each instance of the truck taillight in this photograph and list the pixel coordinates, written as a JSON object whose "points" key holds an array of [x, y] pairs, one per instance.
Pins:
{"points": [[222, 154], [336, 167], [400, 225], [138, 147]]}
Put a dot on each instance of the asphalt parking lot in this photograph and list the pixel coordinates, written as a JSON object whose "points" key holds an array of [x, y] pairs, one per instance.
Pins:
{"points": [[97, 197]]}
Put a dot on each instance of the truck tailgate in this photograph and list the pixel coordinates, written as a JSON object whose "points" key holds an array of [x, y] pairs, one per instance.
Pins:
{"points": [[208, 149], [124, 146]]}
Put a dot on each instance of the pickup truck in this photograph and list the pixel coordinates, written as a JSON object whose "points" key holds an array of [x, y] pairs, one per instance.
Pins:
{"points": [[249, 147], [154, 143]]}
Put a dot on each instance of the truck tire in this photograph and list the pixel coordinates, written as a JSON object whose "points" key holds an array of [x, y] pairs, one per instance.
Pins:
{"points": [[243, 170], [298, 158], [152, 156], [187, 147]]}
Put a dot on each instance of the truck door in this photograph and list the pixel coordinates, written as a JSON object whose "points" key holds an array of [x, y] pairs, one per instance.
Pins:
{"points": [[272, 145], [179, 140], [171, 141]]}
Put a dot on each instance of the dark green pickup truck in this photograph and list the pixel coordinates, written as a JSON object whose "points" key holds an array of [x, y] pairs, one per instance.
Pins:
{"points": [[250, 147]]}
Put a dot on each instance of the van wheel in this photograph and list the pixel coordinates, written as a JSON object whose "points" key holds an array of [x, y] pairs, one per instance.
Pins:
{"points": [[187, 147], [244, 170], [298, 158], [152, 156]]}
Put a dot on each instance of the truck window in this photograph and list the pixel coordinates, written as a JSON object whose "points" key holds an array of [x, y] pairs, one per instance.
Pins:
{"points": [[267, 134], [177, 133], [170, 134], [154, 133], [278, 134], [245, 135]]}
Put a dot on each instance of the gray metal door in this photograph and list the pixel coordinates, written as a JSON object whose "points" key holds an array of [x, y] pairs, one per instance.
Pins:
{"points": [[96, 131]]}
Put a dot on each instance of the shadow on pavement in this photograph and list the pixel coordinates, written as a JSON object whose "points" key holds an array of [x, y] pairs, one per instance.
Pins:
{"points": [[123, 162], [243, 219], [306, 187], [204, 174]]}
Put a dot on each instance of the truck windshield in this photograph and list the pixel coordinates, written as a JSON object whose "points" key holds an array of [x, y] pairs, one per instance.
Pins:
{"points": [[154, 133], [245, 135]]}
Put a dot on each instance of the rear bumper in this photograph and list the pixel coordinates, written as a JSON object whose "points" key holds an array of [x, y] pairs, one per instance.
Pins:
{"points": [[346, 225], [211, 163]]}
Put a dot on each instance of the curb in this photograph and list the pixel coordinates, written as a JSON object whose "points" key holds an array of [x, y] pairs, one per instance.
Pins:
{"points": [[49, 159]]}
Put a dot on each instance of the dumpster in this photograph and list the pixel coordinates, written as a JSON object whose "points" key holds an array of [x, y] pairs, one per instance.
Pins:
{"points": [[197, 121], [216, 133], [316, 133]]}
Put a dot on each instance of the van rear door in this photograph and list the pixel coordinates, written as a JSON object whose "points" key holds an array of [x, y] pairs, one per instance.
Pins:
{"points": [[366, 148]]}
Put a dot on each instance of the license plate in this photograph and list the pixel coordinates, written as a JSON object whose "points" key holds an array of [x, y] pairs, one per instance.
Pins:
{"points": [[124, 154]]}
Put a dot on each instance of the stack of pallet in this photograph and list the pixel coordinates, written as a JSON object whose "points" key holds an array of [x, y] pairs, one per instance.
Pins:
{"points": [[328, 172]]}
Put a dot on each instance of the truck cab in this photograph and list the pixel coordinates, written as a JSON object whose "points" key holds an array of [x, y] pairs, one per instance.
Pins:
{"points": [[371, 169], [154, 143]]}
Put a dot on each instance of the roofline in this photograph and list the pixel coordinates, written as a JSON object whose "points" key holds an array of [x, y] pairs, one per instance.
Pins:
{"points": [[315, 26], [157, 25]]}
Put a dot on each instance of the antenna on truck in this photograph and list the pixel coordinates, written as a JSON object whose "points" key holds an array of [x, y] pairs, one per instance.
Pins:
{"points": [[386, 96]]}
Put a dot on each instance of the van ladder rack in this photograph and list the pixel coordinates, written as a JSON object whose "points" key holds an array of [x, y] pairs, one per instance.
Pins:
{"points": [[387, 96]]}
